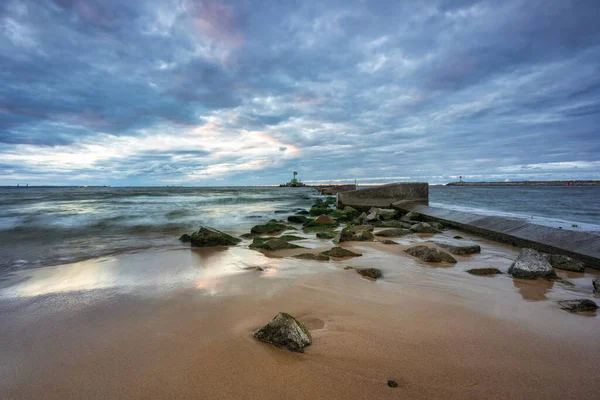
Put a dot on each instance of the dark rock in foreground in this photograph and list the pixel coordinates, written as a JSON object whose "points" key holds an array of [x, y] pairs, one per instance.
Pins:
{"points": [[580, 305], [297, 219], [484, 271], [395, 232], [459, 249], [340, 252], [210, 237], [311, 256], [285, 331], [530, 264], [566, 263], [428, 254], [185, 238], [372, 273]]}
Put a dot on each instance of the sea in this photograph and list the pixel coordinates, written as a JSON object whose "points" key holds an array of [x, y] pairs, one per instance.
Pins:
{"points": [[57, 225]]}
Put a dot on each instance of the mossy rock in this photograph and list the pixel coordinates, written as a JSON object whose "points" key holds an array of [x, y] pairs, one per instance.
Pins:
{"points": [[311, 256], [330, 200], [286, 332], [326, 235], [297, 219], [248, 235], [271, 227], [185, 238], [340, 252], [316, 211], [209, 237], [272, 244]]}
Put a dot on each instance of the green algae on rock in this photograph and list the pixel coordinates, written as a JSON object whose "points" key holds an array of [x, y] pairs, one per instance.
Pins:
{"points": [[340, 252], [285, 331], [209, 237], [272, 244], [428, 254], [312, 256], [271, 227]]}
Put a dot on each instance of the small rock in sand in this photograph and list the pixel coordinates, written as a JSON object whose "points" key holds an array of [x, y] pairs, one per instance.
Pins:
{"points": [[428, 254], [311, 256], [392, 383], [579, 305], [340, 252], [459, 249], [285, 331], [373, 273], [484, 271]]}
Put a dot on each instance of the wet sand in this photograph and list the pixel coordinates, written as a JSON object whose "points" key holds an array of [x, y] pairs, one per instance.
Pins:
{"points": [[178, 324]]}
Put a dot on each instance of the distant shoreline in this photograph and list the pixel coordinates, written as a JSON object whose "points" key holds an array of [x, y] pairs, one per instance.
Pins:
{"points": [[527, 183]]}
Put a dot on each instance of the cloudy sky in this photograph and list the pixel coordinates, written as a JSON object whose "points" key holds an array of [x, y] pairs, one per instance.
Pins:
{"points": [[190, 92]]}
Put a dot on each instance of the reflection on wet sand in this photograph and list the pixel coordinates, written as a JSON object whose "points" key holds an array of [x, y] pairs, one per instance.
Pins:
{"points": [[534, 289]]}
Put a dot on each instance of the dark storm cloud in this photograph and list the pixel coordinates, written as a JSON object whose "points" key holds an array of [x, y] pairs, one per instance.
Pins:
{"points": [[181, 89]]}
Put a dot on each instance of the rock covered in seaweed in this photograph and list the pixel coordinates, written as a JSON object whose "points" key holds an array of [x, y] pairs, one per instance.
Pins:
{"points": [[271, 227], [358, 233], [393, 232], [340, 252], [209, 237], [530, 264], [428, 254], [285, 331], [297, 219]]}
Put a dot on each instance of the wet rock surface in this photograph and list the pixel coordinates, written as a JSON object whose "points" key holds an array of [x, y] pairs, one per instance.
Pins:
{"points": [[297, 219], [285, 331], [311, 256], [459, 248], [394, 232], [367, 272], [210, 237], [424, 227], [580, 305], [484, 271], [271, 227], [428, 254], [358, 233], [565, 263], [340, 252], [531, 264], [388, 241], [272, 244]]}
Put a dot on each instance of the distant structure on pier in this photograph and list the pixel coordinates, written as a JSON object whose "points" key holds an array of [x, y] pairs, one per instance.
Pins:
{"points": [[295, 182]]}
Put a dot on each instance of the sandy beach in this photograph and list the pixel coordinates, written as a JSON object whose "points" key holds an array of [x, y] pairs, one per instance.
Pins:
{"points": [[178, 324]]}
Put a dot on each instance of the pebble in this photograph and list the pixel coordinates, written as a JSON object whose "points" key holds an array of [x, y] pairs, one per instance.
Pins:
{"points": [[392, 384]]}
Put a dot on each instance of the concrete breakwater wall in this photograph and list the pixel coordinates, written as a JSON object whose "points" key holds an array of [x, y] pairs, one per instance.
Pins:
{"points": [[583, 246], [385, 195]]}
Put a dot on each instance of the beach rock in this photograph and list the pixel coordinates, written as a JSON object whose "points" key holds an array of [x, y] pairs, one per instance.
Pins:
{"points": [[566, 263], [412, 216], [357, 233], [484, 271], [346, 214], [530, 264], [459, 249], [596, 285], [273, 244], [392, 224], [254, 268], [580, 305], [340, 252], [388, 241], [392, 384], [394, 232], [361, 219], [423, 227], [297, 219], [209, 237], [185, 238], [271, 227], [372, 273], [285, 331], [428, 254], [311, 256], [325, 220], [326, 235], [315, 211], [248, 235]]}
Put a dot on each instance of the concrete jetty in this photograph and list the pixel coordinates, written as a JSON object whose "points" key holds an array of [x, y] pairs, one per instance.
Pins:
{"points": [[583, 246], [385, 195]]}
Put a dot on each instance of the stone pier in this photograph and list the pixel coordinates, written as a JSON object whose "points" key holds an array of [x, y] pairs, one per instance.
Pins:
{"points": [[385, 195]]}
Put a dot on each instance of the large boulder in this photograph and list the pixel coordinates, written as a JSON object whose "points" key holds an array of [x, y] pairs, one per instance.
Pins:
{"points": [[394, 232], [340, 252], [566, 263], [424, 227], [272, 244], [428, 254], [285, 331], [459, 248], [530, 264], [271, 227], [206, 236], [357, 233], [580, 305]]}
